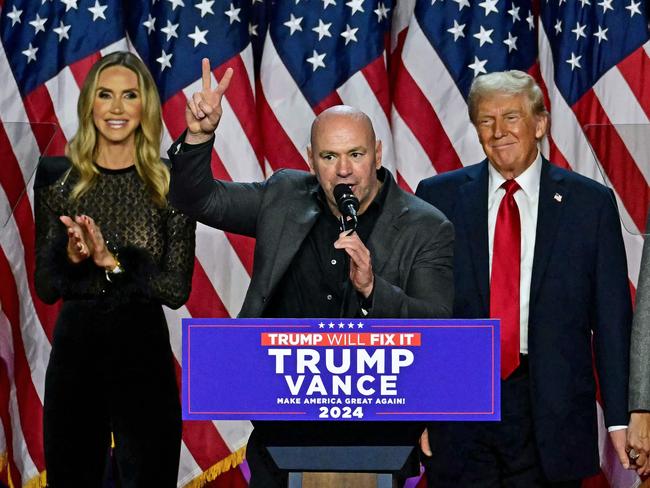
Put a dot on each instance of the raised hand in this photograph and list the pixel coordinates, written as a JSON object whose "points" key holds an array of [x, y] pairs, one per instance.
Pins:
{"points": [[77, 248], [203, 110]]}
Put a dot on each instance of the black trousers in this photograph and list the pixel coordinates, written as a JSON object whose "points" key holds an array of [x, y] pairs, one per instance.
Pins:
{"points": [[111, 372], [491, 454]]}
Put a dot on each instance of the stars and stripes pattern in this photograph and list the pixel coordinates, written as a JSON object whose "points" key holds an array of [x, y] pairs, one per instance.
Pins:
{"points": [[407, 63]]}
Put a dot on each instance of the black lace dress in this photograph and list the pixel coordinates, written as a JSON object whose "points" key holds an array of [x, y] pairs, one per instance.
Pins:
{"points": [[111, 366]]}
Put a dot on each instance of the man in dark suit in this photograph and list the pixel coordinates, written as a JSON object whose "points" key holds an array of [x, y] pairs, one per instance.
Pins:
{"points": [[396, 264], [541, 248]]}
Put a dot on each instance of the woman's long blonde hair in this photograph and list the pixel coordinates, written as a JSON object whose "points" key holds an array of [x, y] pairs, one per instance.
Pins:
{"points": [[82, 149]]}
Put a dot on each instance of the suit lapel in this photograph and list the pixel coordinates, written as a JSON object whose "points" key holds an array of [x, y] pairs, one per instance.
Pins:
{"points": [[386, 229], [552, 191], [474, 214], [299, 218]]}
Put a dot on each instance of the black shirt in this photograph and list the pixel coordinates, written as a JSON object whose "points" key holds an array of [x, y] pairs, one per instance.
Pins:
{"points": [[316, 282]]}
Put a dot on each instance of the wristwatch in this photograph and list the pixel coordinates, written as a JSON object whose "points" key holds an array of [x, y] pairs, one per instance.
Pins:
{"points": [[117, 269]]}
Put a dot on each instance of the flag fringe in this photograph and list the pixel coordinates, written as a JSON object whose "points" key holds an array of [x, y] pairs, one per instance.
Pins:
{"points": [[232, 461], [38, 481]]}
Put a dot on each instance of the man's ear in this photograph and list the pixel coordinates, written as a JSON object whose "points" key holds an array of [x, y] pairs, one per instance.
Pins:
{"points": [[378, 154], [310, 160]]}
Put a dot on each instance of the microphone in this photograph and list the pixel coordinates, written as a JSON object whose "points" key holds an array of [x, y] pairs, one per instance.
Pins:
{"points": [[347, 203]]}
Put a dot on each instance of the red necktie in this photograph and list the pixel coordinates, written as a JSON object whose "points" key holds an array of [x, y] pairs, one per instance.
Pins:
{"points": [[504, 285]]}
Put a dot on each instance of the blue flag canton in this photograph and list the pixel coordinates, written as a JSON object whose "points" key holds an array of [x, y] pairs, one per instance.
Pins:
{"points": [[172, 36], [476, 37], [588, 37], [324, 42], [42, 37]]}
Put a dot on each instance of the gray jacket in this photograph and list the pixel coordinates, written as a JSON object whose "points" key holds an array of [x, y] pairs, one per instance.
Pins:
{"points": [[640, 348], [411, 244]]}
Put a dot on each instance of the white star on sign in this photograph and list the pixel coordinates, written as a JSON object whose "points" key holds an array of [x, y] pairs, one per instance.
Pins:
{"points": [[574, 61], [205, 7], [633, 8], [176, 3], [489, 6], [514, 12], [484, 36], [327, 3], [198, 36], [170, 30], [601, 34], [62, 31], [585, 2], [14, 15], [30, 52], [355, 5], [457, 30], [165, 60], [462, 4], [511, 42], [252, 29], [579, 31], [323, 29], [150, 24], [98, 11], [478, 66], [350, 34], [233, 13], [39, 24], [558, 27], [293, 24]]}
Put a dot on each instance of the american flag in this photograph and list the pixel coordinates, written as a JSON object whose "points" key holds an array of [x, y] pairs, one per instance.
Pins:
{"points": [[407, 63]]}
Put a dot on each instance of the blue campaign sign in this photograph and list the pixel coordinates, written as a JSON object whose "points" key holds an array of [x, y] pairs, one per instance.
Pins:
{"points": [[340, 369]]}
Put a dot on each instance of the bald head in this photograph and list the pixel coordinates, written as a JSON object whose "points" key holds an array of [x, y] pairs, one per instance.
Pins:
{"points": [[344, 150], [341, 111]]}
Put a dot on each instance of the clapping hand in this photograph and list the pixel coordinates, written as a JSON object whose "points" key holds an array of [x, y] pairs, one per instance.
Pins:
{"points": [[85, 240], [203, 110], [78, 249]]}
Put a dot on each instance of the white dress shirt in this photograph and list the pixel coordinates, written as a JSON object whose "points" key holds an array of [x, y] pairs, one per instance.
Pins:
{"points": [[527, 199]]}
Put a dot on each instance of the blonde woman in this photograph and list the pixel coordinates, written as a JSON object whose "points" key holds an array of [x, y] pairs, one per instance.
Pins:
{"points": [[110, 246]]}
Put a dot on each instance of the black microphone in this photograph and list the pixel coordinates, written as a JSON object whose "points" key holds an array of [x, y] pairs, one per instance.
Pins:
{"points": [[347, 203]]}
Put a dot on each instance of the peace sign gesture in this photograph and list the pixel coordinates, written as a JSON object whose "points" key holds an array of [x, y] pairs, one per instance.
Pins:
{"points": [[203, 110]]}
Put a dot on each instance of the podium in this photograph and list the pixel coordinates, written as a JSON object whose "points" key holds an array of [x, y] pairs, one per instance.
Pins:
{"points": [[381, 462], [340, 396]]}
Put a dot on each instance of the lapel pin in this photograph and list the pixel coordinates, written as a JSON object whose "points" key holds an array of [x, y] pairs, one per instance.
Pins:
{"points": [[557, 197]]}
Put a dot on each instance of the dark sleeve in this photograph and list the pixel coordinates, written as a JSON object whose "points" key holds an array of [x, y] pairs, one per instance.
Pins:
{"points": [[172, 284], [225, 205], [169, 282], [54, 275], [429, 290], [612, 314], [640, 343]]}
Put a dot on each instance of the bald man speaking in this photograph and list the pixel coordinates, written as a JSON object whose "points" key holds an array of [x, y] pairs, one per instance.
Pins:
{"points": [[397, 263]]}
